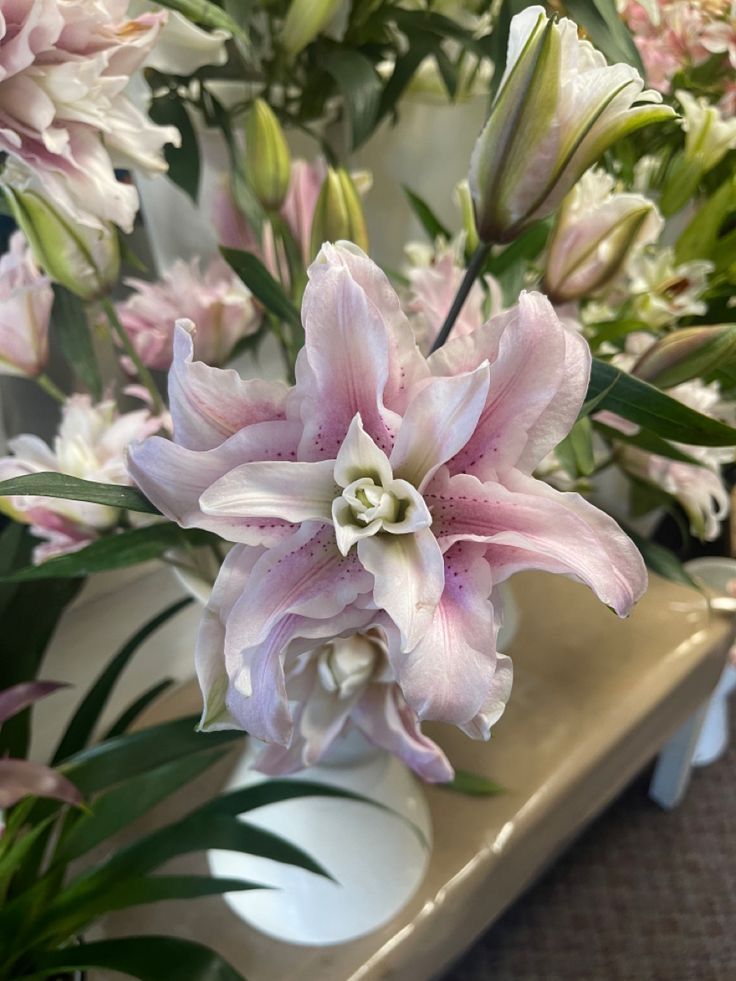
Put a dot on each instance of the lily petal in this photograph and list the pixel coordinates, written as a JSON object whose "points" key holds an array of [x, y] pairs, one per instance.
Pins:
{"points": [[23, 778], [494, 706], [359, 457], [449, 674], [291, 491], [438, 423], [408, 574]]}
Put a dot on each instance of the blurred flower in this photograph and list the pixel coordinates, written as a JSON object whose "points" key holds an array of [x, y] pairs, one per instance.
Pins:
{"points": [[182, 46], [216, 299], [64, 65], [26, 298], [382, 484], [559, 107], [90, 444], [595, 234], [687, 353], [304, 21], [708, 135], [664, 292], [669, 36], [435, 276], [86, 260]]}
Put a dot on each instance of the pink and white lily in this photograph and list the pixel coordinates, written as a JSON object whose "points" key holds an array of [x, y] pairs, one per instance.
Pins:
{"points": [[26, 298], [385, 482]]}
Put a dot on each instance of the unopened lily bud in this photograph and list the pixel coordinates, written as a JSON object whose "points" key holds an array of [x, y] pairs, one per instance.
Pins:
{"points": [[268, 161], [85, 260], [339, 213], [464, 202], [595, 233], [558, 109], [689, 353], [304, 21]]}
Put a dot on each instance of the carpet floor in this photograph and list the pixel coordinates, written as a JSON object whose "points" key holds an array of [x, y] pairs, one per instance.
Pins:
{"points": [[642, 896]]}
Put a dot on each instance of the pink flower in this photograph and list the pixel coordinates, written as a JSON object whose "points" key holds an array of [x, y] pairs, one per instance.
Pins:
{"points": [[63, 67], [387, 482], [90, 443], [26, 299], [223, 308]]}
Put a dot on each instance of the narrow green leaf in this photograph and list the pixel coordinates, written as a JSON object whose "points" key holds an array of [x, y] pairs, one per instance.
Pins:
{"points": [[647, 406], [149, 958], [134, 710], [272, 792], [111, 762], [183, 161], [360, 86], [649, 441], [473, 785], [429, 220], [661, 560], [262, 284], [79, 731], [50, 484], [116, 809], [116, 551], [72, 329], [13, 858]]}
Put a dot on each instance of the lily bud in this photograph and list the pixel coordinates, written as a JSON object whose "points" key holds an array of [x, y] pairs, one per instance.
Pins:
{"points": [[685, 354], [558, 109], [595, 233], [339, 213], [304, 21], [268, 161], [464, 201], [85, 260]]}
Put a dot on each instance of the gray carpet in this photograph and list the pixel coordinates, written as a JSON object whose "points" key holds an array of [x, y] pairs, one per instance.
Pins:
{"points": [[642, 896]]}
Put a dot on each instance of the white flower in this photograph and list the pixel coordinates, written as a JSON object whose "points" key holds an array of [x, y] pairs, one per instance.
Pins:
{"points": [[664, 292]]}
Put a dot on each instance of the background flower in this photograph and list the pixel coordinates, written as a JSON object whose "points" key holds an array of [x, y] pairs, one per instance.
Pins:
{"points": [[26, 298]]}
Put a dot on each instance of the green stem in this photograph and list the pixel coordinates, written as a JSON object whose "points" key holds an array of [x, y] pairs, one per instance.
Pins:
{"points": [[477, 261], [143, 373], [50, 388]]}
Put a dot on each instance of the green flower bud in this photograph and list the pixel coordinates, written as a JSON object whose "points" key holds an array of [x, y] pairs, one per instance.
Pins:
{"points": [[84, 260], [304, 21], [688, 353], [464, 201], [338, 214], [268, 161]]}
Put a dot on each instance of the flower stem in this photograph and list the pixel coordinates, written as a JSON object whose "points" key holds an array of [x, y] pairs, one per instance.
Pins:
{"points": [[143, 373], [477, 261], [50, 388]]}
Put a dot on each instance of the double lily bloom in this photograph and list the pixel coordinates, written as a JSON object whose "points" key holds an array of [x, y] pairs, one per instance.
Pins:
{"points": [[384, 495]]}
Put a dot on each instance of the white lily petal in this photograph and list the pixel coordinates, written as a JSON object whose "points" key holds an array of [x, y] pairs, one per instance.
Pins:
{"points": [[292, 491], [360, 457]]}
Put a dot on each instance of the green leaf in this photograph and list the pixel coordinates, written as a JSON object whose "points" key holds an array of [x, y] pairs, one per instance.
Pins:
{"points": [[649, 441], [111, 762], [525, 248], [262, 284], [647, 406], [79, 731], [428, 219], [704, 236], [361, 88], [183, 161], [149, 958], [602, 23], [473, 784], [132, 712], [209, 15], [661, 560], [272, 792], [575, 452], [116, 551], [421, 44], [13, 858], [72, 330], [116, 809], [50, 484]]}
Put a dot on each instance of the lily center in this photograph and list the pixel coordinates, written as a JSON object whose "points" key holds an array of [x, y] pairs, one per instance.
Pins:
{"points": [[369, 506]]}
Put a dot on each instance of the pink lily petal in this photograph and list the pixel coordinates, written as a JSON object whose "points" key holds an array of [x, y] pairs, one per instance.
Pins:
{"points": [[292, 491], [387, 721], [19, 697], [528, 524], [438, 423], [210, 404], [539, 378], [450, 671], [24, 778], [494, 706], [174, 478], [408, 574]]}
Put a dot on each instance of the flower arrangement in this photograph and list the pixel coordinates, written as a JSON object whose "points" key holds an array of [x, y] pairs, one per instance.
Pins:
{"points": [[436, 428]]}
